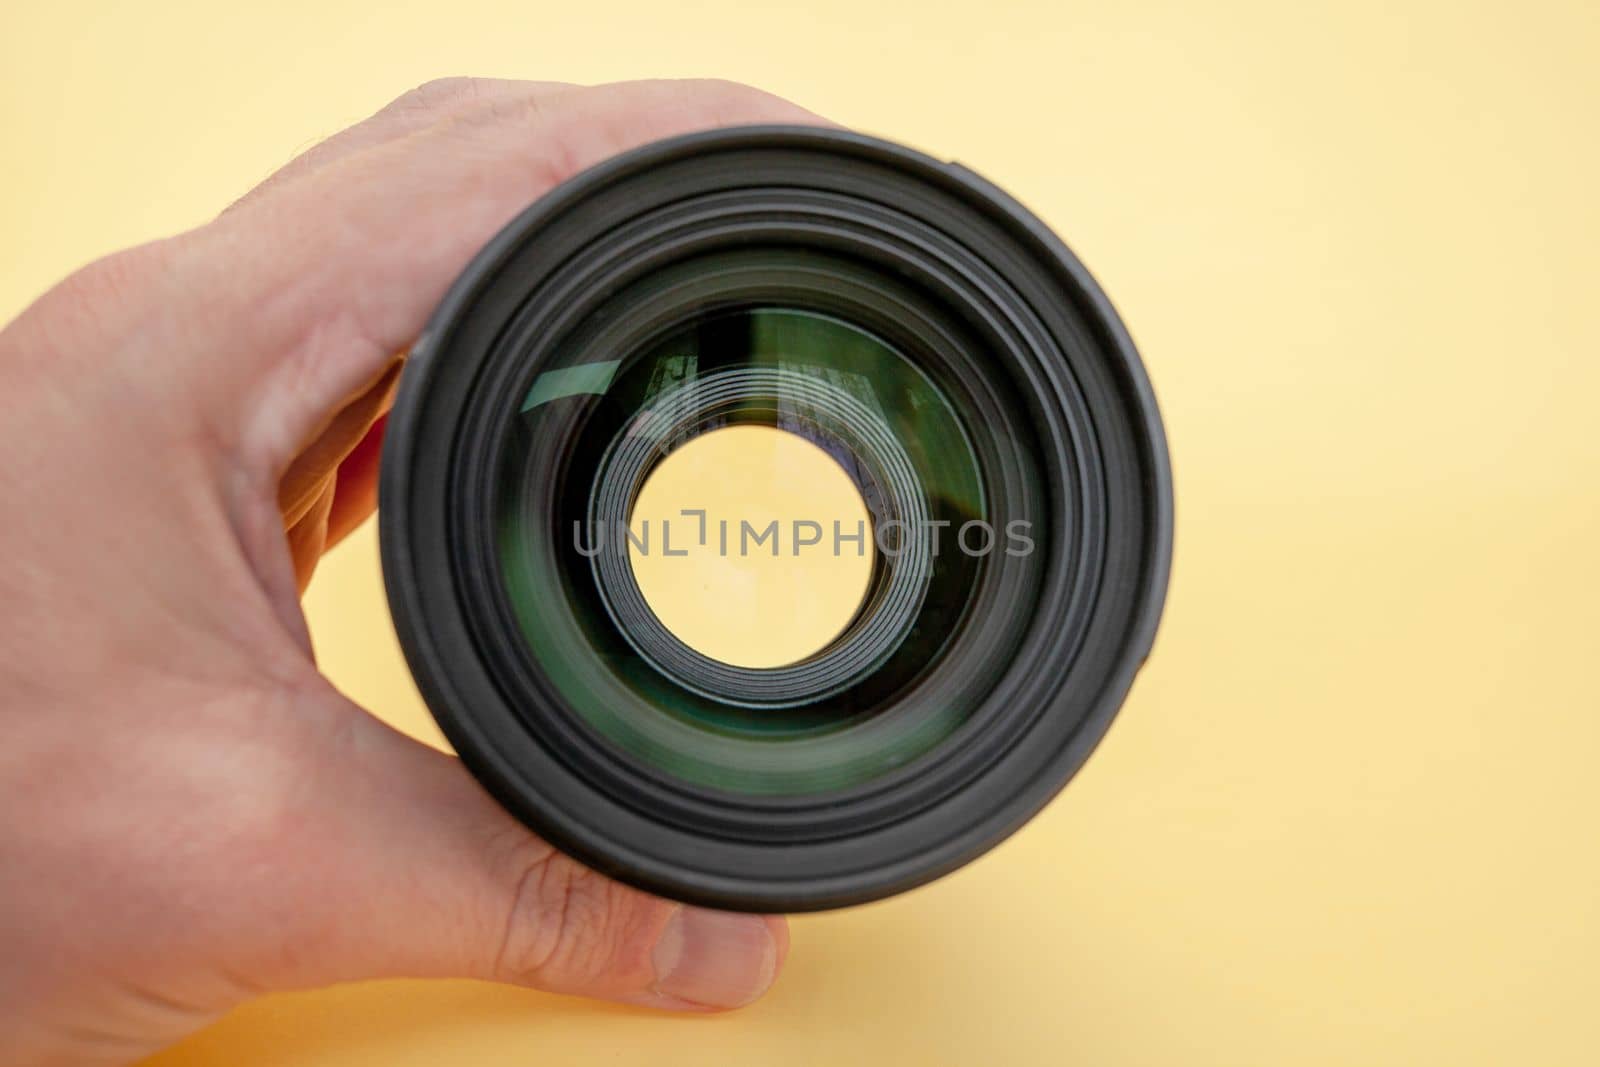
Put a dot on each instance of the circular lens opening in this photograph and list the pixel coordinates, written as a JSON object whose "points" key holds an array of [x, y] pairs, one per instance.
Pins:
{"points": [[750, 544]]}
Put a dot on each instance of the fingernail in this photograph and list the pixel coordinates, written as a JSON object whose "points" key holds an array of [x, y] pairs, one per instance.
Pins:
{"points": [[714, 959]]}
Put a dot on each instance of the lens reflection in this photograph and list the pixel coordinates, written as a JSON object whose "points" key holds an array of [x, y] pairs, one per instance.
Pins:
{"points": [[578, 467]]}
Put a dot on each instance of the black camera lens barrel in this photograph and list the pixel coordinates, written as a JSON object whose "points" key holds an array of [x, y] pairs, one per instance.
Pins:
{"points": [[999, 386]]}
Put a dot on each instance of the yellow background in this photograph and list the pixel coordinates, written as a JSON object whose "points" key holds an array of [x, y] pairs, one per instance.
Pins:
{"points": [[1349, 814], [726, 604]]}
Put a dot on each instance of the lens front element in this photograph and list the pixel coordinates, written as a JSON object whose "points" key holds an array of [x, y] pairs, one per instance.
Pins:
{"points": [[863, 418]]}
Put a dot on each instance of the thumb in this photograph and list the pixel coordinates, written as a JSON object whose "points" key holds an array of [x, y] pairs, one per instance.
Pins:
{"points": [[414, 871]]}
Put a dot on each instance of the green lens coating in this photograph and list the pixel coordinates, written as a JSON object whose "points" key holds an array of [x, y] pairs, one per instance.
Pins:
{"points": [[828, 722]]}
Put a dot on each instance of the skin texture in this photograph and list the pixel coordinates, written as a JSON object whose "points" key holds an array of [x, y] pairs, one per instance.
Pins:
{"points": [[190, 814]]}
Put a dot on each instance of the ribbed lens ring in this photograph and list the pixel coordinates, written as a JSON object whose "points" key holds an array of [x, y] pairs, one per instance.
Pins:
{"points": [[792, 398]]}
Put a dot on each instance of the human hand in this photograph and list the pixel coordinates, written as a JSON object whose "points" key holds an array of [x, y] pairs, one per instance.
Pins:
{"points": [[191, 813]]}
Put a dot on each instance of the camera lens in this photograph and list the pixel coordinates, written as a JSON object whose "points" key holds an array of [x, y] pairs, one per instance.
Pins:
{"points": [[774, 518]]}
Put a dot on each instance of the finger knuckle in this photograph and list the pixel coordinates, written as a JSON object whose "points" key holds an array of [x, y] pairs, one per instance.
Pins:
{"points": [[724, 94], [722, 87], [730, 103], [571, 928], [439, 94]]}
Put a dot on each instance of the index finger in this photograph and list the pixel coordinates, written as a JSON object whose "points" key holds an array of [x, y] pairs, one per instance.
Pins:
{"points": [[313, 290]]}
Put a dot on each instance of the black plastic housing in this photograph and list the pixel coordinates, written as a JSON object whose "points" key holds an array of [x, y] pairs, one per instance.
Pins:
{"points": [[959, 259]]}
